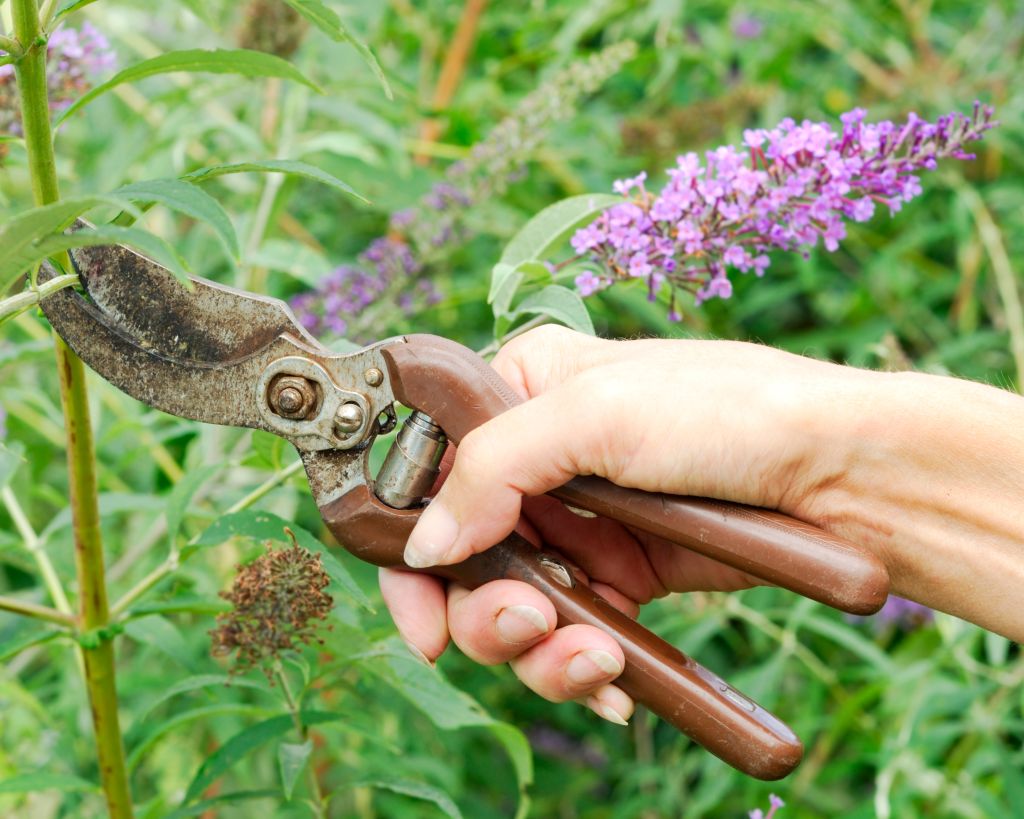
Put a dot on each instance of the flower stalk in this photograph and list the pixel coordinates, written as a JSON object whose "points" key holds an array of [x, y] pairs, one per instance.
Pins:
{"points": [[93, 615]]}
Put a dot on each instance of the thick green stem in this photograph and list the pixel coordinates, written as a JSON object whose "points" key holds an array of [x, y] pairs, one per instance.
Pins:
{"points": [[93, 616]]}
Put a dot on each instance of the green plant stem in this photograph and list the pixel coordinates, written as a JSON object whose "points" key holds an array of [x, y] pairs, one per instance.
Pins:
{"points": [[27, 609], [11, 46], [16, 305], [293, 707], [270, 483], [100, 679]]}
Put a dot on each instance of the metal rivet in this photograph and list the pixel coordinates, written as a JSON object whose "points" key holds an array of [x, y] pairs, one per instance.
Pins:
{"points": [[348, 419], [374, 377], [292, 397], [559, 573], [289, 400]]}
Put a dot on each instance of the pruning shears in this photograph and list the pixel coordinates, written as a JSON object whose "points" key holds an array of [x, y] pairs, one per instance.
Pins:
{"points": [[224, 356]]}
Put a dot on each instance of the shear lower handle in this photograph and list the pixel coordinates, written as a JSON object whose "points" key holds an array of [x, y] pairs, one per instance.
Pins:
{"points": [[676, 688], [656, 674], [460, 391]]}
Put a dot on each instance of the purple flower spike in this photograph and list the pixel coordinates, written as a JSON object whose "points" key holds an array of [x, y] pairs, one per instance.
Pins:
{"points": [[785, 188]]}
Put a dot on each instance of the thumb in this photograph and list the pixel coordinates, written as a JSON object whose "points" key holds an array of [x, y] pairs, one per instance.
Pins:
{"points": [[528, 450]]}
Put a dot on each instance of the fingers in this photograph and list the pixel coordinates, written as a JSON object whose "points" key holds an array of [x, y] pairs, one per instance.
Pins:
{"points": [[572, 663], [498, 621], [417, 605], [507, 621]]}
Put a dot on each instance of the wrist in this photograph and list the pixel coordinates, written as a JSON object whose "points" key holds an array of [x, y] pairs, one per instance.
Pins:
{"points": [[926, 471]]}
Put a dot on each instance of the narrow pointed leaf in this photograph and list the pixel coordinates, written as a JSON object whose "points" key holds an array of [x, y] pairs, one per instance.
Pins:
{"points": [[241, 61], [330, 24], [19, 234], [42, 781], [291, 761], [153, 246], [187, 199], [288, 166]]}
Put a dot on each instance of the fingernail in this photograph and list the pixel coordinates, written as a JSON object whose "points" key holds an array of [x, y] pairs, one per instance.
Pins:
{"points": [[431, 538], [517, 624], [419, 655], [592, 666], [605, 711]]}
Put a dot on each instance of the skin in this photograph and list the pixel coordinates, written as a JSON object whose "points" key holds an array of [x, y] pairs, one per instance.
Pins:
{"points": [[925, 471]]}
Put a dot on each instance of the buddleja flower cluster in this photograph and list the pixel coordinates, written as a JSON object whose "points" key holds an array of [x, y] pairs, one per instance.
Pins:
{"points": [[74, 58], [277, 601], [390, 270], [786, 188]]}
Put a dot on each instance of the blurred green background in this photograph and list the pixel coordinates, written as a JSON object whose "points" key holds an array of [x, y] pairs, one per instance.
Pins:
{"points": [[899, 720]]}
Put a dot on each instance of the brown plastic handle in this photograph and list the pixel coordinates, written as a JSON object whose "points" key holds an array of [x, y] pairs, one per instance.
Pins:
{"points": [[460, 391], [656, 674]]}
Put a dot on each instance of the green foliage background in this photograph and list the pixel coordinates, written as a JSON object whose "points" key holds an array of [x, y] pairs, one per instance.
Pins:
{"points": [[926, 723]]}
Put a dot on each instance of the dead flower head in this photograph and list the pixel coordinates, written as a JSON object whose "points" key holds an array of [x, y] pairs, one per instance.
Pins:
{"points": [[277, 603]]}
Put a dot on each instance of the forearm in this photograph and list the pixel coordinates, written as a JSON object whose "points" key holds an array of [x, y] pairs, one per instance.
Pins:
{"points": [[928, 472]]}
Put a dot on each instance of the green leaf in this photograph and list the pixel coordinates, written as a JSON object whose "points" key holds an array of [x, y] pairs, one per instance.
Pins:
{"points": [[181, 495], [180, 718], [161, 634], [561, 303], [199, 681], [153, 246], [260, 525], [242, 61], [42, 781], [417, 790], [507, 279], [205, 807], [291, 760], [444, 704], [18, 236], [11, 458], [288, 166], [234, 750], [75, 5], [244, 743], [188, 199], [553, 225], [35, 637], [330, 24]]}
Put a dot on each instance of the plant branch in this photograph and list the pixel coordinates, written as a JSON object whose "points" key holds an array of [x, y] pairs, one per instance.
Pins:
{"points": [[303, 731], [270, 483], [15, 305], [100, 679], [36, 611], [34, 547], [525, 327], [11, 46]]}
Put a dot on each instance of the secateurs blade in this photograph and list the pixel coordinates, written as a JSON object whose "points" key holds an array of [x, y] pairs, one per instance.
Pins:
{"points": [[225, 356]]}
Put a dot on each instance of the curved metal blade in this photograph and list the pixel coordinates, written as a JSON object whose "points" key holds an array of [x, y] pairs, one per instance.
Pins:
{"points": [[197, 354], [212, 324]]}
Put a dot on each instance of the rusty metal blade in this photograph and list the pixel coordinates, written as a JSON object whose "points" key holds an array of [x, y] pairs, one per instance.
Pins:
{"points": [[212, 324], [197, 355]]}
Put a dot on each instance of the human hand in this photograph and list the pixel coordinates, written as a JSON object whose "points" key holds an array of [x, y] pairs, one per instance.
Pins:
{"points": [[925, 471], [577, 376]]}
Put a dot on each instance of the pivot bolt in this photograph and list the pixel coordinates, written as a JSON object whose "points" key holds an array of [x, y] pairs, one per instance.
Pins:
{"points": [[348, 419], [293, 397], [374, 377]]}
